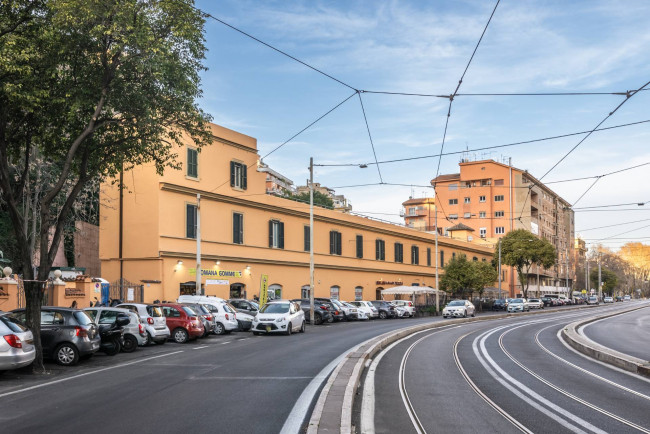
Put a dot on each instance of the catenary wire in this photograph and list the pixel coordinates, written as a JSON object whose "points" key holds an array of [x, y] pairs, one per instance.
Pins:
{"points": [[611, 226], [374, 153], [429, 95]]}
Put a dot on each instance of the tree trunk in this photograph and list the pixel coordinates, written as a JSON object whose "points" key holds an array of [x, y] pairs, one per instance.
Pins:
{"points": [[33, 297]]}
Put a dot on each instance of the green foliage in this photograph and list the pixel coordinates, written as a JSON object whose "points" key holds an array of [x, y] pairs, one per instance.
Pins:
{"points": [[462, 277], [320, 199], [607, 277], [521, 249]]}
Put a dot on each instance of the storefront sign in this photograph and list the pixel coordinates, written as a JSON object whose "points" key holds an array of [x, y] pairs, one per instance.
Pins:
{"points": [[217, 282], [385, 282], [130, 294], [215, 273], [264, 290], [75, 292]]}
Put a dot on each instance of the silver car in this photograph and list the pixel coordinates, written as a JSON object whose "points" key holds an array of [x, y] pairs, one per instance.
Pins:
{"points": [[16, 344], [134, 332], [153, 319]]}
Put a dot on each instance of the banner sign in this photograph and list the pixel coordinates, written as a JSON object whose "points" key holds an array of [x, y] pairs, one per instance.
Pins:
{"points": [[264, 290], [215, 273], [217, 282]]}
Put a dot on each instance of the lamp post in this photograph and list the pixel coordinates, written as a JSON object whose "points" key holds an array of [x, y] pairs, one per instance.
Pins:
{"points": [[311, 239], [499, 268]]}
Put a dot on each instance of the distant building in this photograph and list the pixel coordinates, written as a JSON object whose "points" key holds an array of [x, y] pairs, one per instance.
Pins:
{"points": [[276, 183], [340, 201], [493, 199], [420, 213]]}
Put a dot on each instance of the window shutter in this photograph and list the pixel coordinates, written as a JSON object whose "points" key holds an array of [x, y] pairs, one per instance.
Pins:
{"points": [[442, 258], [232, 173], [428, 256], [338, 243], [235, 228], [377, 255], [281, 241], [244, 182], [241, 228], [190, 231], [270, 233], [359, 246], [332, 250], [396, 252], [306, 231]]}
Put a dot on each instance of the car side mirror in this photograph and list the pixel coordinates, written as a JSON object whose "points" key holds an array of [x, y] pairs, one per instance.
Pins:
{"points": [[122, 320]]}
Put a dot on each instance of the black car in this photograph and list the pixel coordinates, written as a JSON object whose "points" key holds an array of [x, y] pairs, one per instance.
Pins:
{"points": [[499, 304], [66, 334], [548, 301], [333, 305], [385, 309], [321, 311], [245, 306]]}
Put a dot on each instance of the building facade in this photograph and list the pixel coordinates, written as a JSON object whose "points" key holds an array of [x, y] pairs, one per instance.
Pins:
{"points": [[420, 213], [493, 199], [247, 235]]}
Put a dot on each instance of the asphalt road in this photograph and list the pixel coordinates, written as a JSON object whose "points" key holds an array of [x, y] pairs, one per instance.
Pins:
{"points": [[523, 378], [628, 333]]}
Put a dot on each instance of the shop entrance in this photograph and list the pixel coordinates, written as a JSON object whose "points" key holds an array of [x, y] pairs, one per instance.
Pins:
{"points": [[237, 290], [378, 293], [189, 288]]}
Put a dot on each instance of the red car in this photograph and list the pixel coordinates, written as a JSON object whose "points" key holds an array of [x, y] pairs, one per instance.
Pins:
{"points": [[184, 324]]}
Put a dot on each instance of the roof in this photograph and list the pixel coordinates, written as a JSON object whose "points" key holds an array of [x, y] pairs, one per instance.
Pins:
{"points": [[419, 200], [448, 177], [410, 290], [460, 227]]}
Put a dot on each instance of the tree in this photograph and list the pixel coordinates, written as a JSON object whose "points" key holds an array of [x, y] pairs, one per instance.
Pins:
{"points": [[521, 249], [320, 199], [484, 274], [92, 87], [607, 277], [462, 277]]}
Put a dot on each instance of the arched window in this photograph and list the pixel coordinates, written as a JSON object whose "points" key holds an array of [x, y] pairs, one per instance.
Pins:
{"points": [[275, 291], [378, 293], [304, 291], [334, 291], [358, 293]]}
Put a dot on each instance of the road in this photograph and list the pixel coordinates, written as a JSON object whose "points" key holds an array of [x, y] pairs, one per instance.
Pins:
{"points": [[623, 333], [504, 376]]}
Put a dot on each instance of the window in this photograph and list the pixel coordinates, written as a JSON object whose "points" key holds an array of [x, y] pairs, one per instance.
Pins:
{"points": [[467, 200], [358, 293], [190, 221], [237, 228], [276, 234], [453, 201], [481, 198], [485, 182], [453, 187], [442, 258], [481, 214], [307, 240], [500, 230], [453, 216], [467, 215], [415, 255], [482, 232], [428, 256], [399, 252], [335, 243], [499, 213], [380, 250], [453, 255], [475, 259], [360, 246], [412, 210], [498, 182], [334, 292], [238, 175], [498, 198], [192, 163]]}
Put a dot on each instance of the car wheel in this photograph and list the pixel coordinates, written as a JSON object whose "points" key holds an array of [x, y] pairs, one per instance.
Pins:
{"points": [[330, 319], [66, 354], [180, 335], [465, 314], [219, 329], [288, 332], [302, 327], [130, 343], [473, 314], [318, 319], [382, 314], [113, 347], [256, 333]]}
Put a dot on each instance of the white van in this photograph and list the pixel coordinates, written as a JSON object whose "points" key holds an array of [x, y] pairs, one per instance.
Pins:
{"points": [[224, 316]]}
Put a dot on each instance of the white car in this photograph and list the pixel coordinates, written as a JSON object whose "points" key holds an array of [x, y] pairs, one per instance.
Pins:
{"points": [[153, 319], [518, 305], [608, 300], [401, 310], [279, 316], [408, 305], [224, 316], [17, 347], [367, 307], [459, 308], [354, 312], [535, 303]]}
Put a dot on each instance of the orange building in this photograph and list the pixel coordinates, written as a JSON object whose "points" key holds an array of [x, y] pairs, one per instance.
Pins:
{"points": [[246, 234], [493, 199], [420, 213]]}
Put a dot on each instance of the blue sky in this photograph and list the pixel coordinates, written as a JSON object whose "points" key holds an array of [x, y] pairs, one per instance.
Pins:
{"points": [[423, 47]]}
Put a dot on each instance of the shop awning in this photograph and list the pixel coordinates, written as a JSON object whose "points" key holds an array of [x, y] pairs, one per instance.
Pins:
{"points": [[410, 290]]}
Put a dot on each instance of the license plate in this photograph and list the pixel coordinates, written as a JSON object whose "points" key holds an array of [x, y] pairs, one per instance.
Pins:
{"points": [[268, 328]]}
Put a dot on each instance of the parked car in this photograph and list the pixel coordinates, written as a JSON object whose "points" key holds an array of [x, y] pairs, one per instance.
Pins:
{"points": [[518, 305], [279, 316], [349, 311], [153, 320], [206, 317], [401, 311], [338, 307], [321, 311], [627, 298], [183, 322], [499, 304], [535, 303], [16, 345], [547, 301], [225, 317], [459, 308], [356, 313], [593, 300], [619, 298], [384, 309], [608, 300], [406, 304], [66, 334], [134, 333], [335, 311], [245, 306], [367, 307]]}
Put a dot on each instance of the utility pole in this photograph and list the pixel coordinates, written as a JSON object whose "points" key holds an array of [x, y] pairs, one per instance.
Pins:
{"points": [[311, 239], [566, 257], [587, 285], [600, 287], [198, 244], [499, 268], [437, 254]]}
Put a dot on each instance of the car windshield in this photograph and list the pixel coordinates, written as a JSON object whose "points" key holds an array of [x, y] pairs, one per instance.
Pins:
{"points": [[533, 300], [229, 308], [154, 311], [200, 309], [516, 300], [275, 308], [189, 311], [13, 323], [82, 317], [457, 303]]}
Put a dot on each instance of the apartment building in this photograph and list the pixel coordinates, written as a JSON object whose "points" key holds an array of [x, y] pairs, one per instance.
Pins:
{"points": [[493, 199], [149, 234], [420, 213]]}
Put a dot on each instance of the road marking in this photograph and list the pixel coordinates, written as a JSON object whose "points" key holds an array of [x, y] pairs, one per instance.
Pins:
{"points": [[121, 365], [201, 378], [199, 348], [224, 343]]}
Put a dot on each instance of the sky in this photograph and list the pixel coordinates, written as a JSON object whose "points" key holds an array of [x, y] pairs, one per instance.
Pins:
{"points": [[423, 47]]}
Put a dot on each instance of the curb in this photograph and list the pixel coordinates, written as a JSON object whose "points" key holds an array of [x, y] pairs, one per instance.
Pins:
{"points": [[333, 410], [572, 336]]}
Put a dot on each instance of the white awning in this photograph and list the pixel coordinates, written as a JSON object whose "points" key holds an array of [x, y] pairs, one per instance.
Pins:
{"points": [[410, 290]]}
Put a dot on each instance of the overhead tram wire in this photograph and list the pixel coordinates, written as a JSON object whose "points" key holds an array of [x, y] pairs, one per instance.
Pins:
{"points": [[429, 95], [642, 203], [374, 153], [611, 226]]}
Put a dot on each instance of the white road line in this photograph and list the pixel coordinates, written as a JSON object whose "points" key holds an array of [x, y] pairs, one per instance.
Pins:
{"points": [[224, 343], [121, 365], [201, 378], [199, 348]]}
